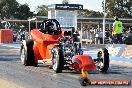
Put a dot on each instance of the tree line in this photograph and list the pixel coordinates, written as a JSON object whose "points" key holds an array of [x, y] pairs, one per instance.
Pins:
{"points": [[120, 8], [11, 9]]}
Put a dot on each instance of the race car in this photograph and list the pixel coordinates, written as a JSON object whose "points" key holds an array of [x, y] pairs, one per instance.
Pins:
{"points": [[60, 50]]}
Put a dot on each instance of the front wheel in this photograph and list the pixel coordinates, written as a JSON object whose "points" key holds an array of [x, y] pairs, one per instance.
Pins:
{"points": [[57, 60], [103, 60]]}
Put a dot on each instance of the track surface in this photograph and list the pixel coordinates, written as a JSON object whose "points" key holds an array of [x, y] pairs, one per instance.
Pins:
{"points": [[19, 76]]}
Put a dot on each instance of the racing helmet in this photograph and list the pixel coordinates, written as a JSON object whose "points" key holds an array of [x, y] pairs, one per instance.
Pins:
{"points": [[51, 26]]}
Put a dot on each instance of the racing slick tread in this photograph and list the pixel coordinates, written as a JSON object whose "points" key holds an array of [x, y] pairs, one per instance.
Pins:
{"points": [[29, 56]]}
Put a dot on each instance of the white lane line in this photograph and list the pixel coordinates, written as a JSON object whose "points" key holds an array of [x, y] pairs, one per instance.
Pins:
{"points": [[9, 45]]}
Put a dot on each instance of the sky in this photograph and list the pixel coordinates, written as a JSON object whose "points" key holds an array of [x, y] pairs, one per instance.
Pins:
{"points": [[95, 5]]}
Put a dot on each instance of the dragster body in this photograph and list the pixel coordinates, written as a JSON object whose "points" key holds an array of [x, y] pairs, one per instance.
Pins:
{"points": [[60, 49]]}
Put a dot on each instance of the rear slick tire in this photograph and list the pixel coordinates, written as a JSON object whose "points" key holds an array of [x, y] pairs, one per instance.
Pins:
{"points": [[27, 53]]}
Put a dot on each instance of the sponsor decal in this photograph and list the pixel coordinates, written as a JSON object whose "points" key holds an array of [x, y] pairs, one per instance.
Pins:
{"points": [[127, 52], [110, 82], [68, 6], [84, 80]]}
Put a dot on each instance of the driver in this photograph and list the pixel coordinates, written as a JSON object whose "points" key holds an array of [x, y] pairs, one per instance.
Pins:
{"points": [[51, 28]]}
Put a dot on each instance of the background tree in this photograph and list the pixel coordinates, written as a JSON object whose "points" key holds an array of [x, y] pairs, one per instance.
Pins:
{"points": [[23, 12], [120, 8], [90, 13], [8, 8], [42, 10], [65, 2], [11, 9]]}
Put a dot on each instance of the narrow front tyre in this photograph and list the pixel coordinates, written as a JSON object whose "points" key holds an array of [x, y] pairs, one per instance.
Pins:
{"points": [[103, 60], [57, 60]]}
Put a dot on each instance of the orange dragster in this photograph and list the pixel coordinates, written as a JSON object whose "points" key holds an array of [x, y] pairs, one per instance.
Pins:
{"points": [[59, 49]]}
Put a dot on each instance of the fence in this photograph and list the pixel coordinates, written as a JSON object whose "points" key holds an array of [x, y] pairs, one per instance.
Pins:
{"points": [[92, 29], [92, 36]]}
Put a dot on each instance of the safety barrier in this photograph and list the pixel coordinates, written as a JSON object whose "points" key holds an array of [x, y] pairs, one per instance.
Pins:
{"points": [[6, 36], [120, 50]]}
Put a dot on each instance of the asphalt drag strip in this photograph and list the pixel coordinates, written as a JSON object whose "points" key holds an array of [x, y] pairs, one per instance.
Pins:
{"points": [[13, 73]]}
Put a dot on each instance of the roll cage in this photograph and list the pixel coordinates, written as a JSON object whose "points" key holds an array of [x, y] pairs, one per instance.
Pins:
{"points": [[51, 26]]}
